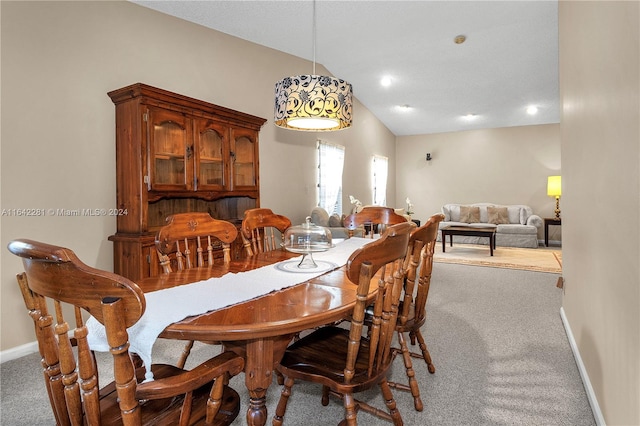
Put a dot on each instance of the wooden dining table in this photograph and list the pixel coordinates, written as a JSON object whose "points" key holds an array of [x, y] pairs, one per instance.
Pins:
{"points": [[260, 329]]}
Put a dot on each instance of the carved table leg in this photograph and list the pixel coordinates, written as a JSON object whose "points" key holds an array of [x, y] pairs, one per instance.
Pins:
{"points": [[260, 356]]}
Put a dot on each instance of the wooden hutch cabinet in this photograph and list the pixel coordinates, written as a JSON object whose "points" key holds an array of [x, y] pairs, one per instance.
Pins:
{"points": [[177, 154]]}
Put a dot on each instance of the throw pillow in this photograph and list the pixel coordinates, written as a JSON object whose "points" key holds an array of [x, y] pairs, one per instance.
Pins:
{"points": [[319, 216], [497, 215], [514, 214], [446, 213], [335, 221], [469, 214]]}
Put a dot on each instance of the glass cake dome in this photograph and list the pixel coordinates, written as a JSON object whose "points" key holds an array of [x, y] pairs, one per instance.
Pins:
{"points": [[307, 239]]}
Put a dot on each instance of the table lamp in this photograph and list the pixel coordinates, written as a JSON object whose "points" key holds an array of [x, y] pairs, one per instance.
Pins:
{"points": [[554, 189]]}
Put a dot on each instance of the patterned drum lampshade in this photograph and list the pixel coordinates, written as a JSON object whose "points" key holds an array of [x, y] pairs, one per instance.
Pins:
{"points": [[313, 103]]}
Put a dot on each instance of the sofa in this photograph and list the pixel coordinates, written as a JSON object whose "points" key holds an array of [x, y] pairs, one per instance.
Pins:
{"points": [[516, 225]]}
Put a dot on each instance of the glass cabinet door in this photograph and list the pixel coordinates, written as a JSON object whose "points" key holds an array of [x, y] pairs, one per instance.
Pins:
{"points": [[170, 150], [244, 158], [212, 155]]}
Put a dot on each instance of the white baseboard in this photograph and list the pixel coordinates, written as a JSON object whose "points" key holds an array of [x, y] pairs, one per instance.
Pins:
{"points": [[593, 401], [18, 351]]}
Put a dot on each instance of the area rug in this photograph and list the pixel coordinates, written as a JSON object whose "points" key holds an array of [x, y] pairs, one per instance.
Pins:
{"points": [[540, 259]]}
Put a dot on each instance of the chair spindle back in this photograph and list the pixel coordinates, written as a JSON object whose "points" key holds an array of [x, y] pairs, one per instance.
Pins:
{"points": [[259, 228], [185, 233], [375, 218]]}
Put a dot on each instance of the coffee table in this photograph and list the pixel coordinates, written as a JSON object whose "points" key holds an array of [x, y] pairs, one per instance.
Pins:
{"points": [[469, 232]]}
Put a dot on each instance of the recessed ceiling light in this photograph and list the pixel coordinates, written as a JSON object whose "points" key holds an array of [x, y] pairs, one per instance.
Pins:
{"points": [[459, 39], [385, 81], [404, 107], [470, 116], [532, 110]]}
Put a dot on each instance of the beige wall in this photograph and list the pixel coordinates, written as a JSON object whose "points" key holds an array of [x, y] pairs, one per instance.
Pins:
{"points": [[59, 60], [503, 166], [599, 73]]}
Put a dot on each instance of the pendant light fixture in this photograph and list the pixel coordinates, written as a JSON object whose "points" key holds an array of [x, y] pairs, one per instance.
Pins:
{"points": [[313, 102]]}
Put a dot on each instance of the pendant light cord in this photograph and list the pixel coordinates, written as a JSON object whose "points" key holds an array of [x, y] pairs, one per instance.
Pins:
{"points": [[314, 37], [313, 28]]}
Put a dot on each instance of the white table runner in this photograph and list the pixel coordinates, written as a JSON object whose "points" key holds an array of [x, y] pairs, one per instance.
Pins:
{"points": [[164, 307]]}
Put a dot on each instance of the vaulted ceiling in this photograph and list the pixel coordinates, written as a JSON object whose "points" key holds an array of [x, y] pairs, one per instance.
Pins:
{"points": [[508, 62]]}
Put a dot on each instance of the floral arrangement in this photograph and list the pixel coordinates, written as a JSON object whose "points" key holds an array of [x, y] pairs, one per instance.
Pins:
{"points": [[409, 206]]}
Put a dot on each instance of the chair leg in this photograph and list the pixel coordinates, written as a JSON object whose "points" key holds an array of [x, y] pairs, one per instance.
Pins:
{"points": [[390, 403], [325, 395], [350, 412], [278, 417], [425, 352], [411, 375], [348, 400]]}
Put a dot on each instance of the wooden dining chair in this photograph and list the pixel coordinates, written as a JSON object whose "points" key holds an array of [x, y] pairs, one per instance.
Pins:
{"points": [[183, 242], [55, 277], [348, 361], [373, 219], [190, 240], [412, 311], [259, 228]]}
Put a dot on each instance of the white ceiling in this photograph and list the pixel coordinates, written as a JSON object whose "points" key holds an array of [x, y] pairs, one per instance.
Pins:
{"points": [[508, 62]]}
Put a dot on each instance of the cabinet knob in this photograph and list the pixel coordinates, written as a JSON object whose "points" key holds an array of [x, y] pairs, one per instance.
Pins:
{"points": [[189, 151]]}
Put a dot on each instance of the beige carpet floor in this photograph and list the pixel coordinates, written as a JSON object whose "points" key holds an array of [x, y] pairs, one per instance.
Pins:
{"points": [[539, 259]]}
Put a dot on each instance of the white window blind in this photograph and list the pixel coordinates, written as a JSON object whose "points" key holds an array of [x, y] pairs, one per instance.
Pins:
{"points": [[330, 165], [379, 170]]}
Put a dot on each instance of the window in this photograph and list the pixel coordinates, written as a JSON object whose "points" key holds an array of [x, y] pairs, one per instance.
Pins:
{"points": [[379, 168], [330, 164]]}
